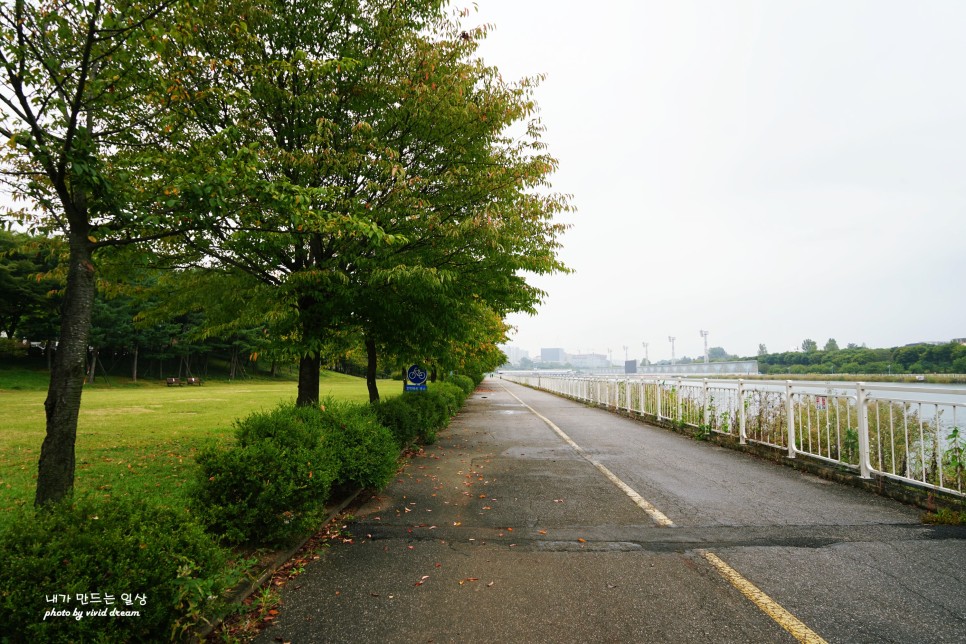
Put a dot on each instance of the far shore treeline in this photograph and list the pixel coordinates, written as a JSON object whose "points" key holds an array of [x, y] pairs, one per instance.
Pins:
{"points": [[916, 358]]}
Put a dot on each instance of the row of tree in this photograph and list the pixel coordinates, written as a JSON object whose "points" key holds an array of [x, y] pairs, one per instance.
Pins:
{"points": [[920, 358], [334, 174]]}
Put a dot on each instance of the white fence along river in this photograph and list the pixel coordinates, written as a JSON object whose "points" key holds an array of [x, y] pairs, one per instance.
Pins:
{"points": [[913, 433]]}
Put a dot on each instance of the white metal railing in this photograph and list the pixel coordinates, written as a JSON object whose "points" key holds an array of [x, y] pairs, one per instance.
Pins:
{"points": [[913, 433]]}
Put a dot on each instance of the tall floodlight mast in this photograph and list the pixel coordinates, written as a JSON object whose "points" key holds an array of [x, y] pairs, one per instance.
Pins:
{"points": [[671, 340], [704, 334], [646, 361]]}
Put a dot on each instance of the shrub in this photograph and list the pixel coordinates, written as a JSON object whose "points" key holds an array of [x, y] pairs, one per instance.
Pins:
{"points": [[463, 382], [129, 550], [365, 448], [401, 418], [12, 348], [271, 486], [453, 395], [430, 414]]}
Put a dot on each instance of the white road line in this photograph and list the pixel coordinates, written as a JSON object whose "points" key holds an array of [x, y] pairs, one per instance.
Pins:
{"points": [[766, 604], [656, 515]]}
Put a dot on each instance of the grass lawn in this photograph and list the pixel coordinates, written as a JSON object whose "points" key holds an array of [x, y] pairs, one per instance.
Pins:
{"points": [[138, 439]]}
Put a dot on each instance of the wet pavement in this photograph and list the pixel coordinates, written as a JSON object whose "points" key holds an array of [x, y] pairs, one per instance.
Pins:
{"points": [[503, 531]]}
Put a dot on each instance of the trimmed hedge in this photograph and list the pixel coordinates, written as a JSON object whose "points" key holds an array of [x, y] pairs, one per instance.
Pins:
{"points": [[464, 382], [271, 486], [401, 418], [365, 449], [130, 551]]}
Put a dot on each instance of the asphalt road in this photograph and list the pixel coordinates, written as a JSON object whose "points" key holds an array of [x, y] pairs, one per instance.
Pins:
{"points": [[536, 519]]}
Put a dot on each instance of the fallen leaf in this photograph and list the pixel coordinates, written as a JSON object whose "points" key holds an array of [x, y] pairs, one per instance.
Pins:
{"points": [[463, 581], [543, 532], [581, 540]]}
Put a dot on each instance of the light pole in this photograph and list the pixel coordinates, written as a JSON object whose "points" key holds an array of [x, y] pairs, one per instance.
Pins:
{"points": [[646, 361], [704, 334], [671, 340]]}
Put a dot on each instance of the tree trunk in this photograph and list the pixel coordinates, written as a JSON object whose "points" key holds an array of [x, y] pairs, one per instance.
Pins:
{"points": [[310, 364], [93, 368], [371, 370], [134, 368], [55, 470], [308, 381]]}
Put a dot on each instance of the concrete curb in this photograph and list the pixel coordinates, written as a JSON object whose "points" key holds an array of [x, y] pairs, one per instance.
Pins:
{"points": [[243, 592]]}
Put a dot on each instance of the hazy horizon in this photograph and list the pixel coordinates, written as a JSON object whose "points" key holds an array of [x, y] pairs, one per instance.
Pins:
{"points": [[768, 172]]}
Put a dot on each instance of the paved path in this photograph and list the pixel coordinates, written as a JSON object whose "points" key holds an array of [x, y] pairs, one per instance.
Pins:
{"points": [[536, 519]]}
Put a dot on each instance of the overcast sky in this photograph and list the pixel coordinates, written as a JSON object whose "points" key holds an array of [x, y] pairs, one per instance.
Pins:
{"points": [[767, 170]]}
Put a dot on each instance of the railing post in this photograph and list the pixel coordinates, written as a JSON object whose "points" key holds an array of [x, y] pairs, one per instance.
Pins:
{"points": [[791, 418], [862, 413], [707, 409], [742, 429], [680, 401], [660, 395]]}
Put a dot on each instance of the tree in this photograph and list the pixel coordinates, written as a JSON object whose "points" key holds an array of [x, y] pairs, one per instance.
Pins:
{"points": [[718, 354], [381, 164], [26, 283], [288, 94], [809, 345], [762, 350], [831, 345], [78, 111]]}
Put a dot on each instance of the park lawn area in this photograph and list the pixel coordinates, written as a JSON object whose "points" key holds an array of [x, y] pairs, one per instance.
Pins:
{"points": [[141, 440]]}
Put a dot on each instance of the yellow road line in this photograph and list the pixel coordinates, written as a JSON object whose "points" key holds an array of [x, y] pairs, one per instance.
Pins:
{"points": [[770, 607], [656, 515]]}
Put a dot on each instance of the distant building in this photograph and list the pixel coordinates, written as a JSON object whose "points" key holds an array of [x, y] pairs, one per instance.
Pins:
{"points": [[959, 340], [553, 356], [588, 361], [515, 354]]}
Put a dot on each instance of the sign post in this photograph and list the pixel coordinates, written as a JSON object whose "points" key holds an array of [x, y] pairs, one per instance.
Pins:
{"points": [[416, 377]]}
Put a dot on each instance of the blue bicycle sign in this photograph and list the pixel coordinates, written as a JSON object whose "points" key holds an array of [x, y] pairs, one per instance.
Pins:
{"points": [[416, 374]]}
